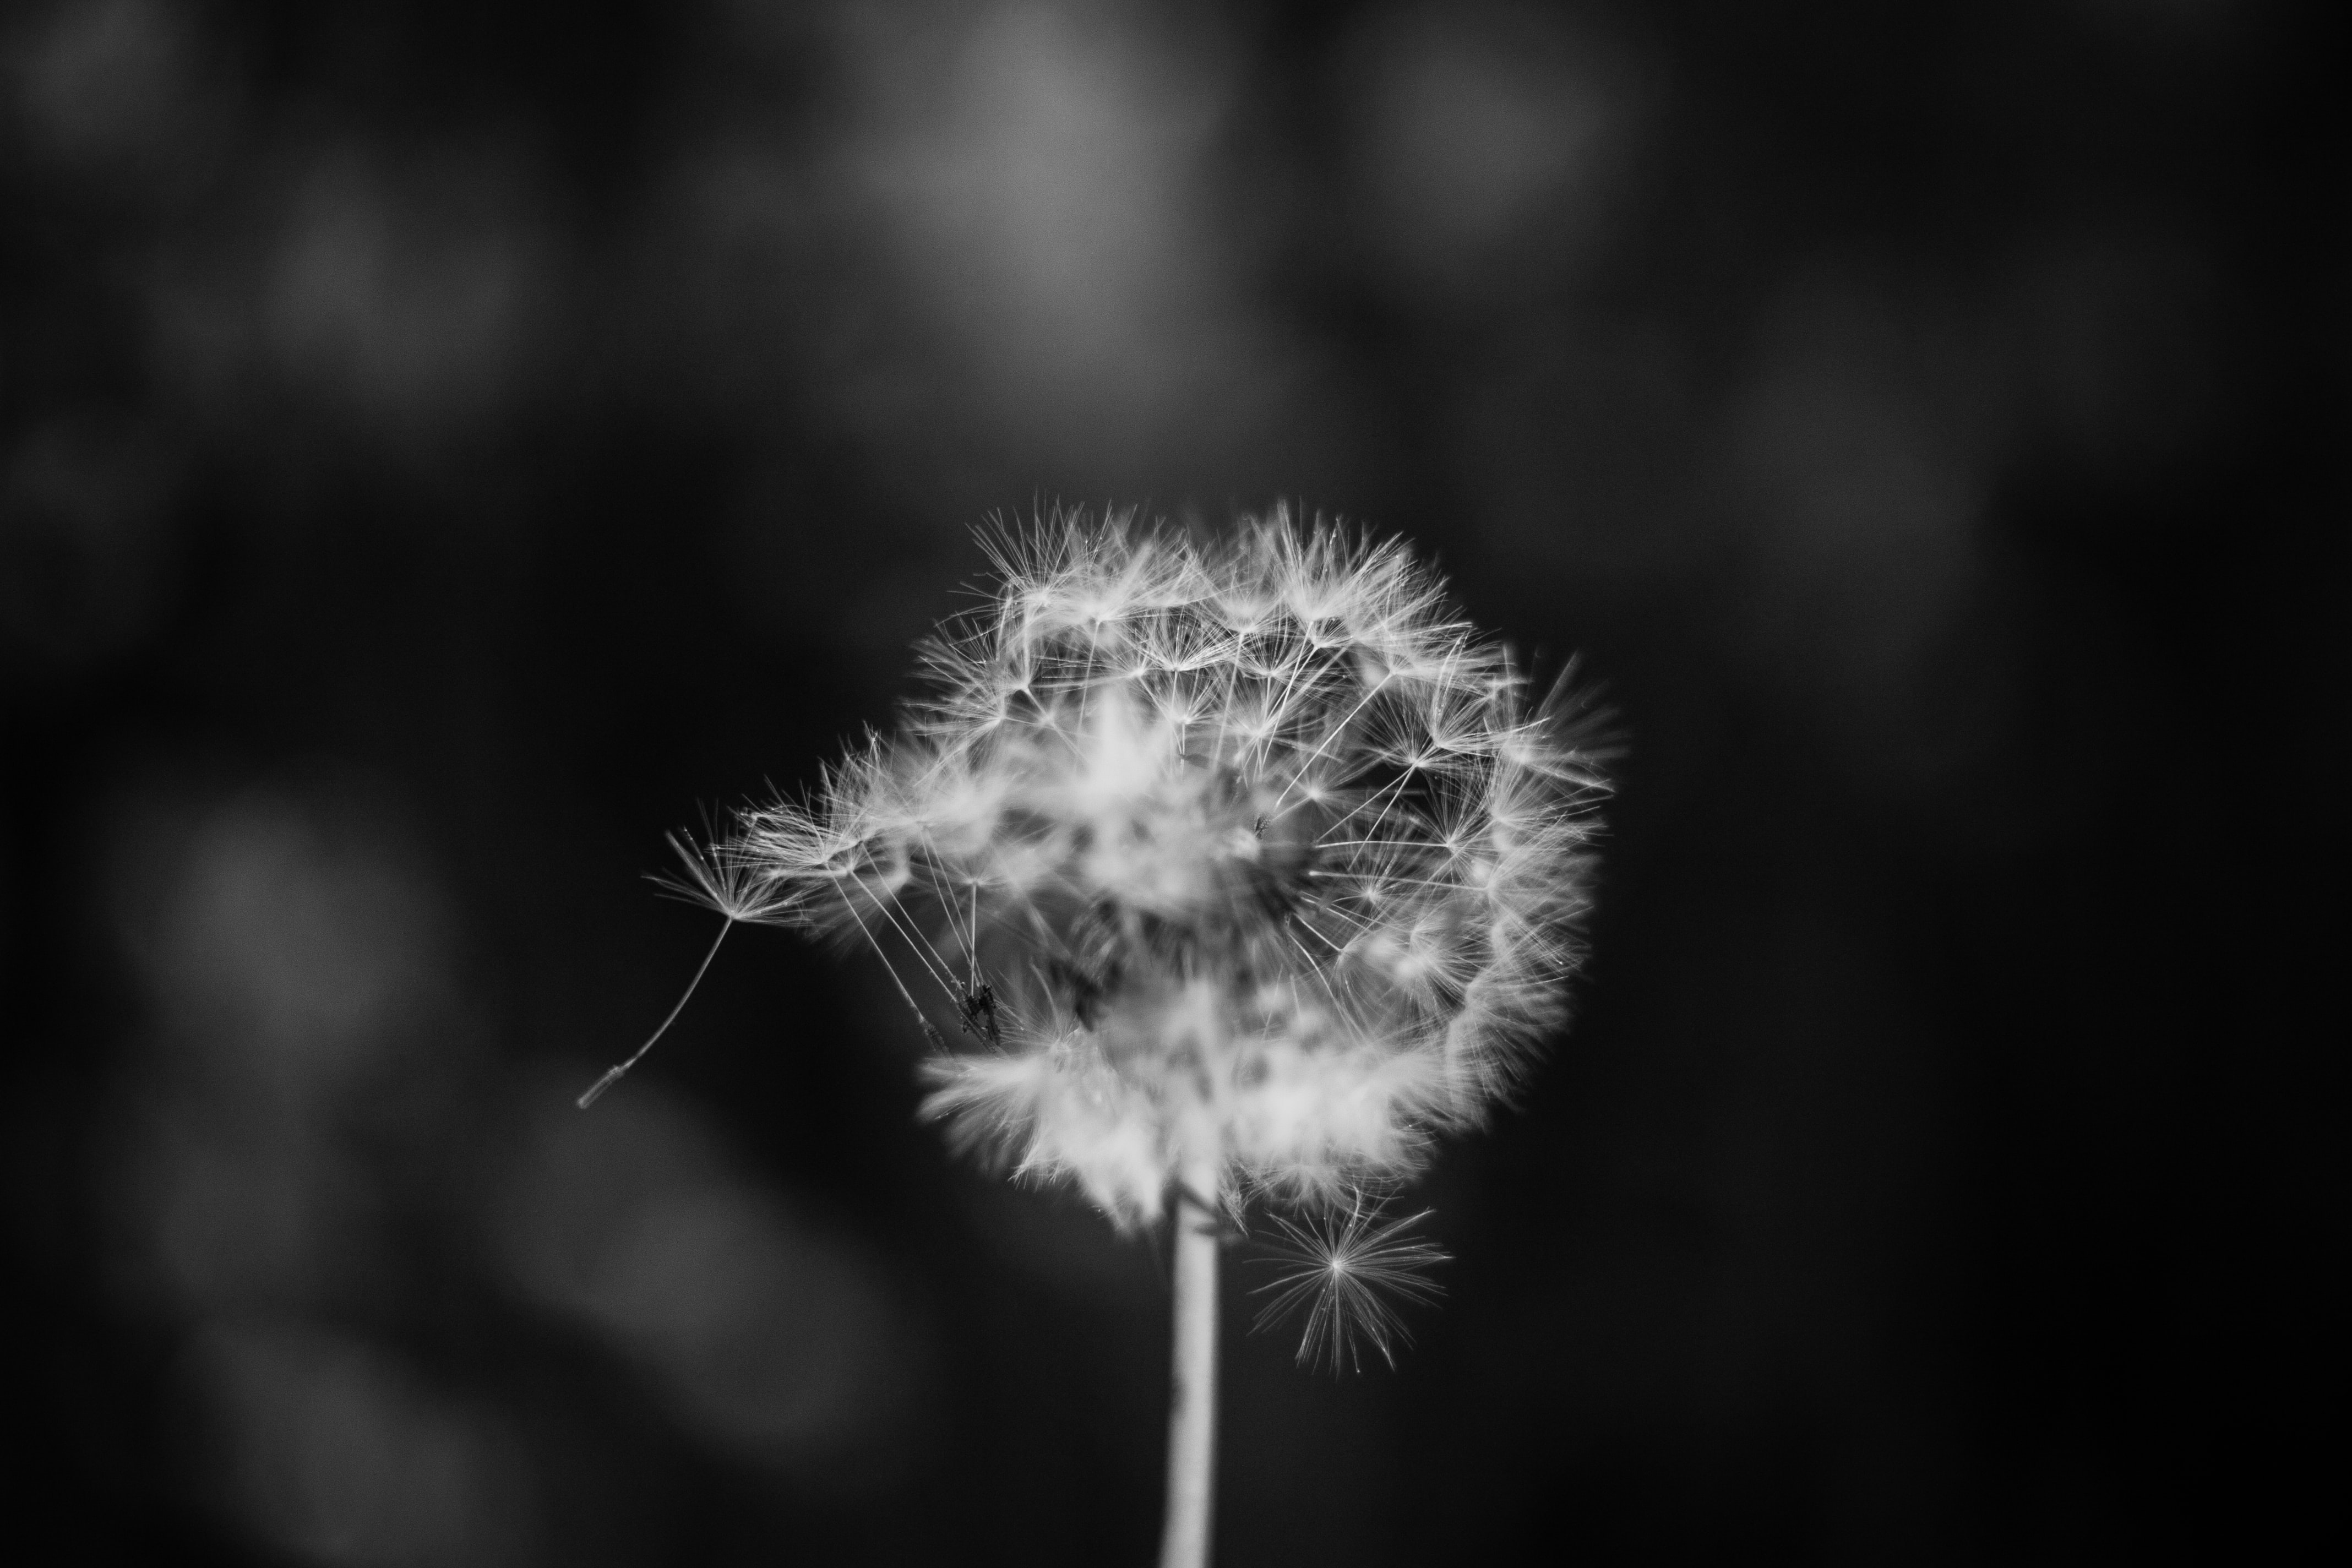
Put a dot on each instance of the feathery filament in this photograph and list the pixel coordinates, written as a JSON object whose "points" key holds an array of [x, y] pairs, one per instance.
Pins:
{"points": [[1342, 1275]]}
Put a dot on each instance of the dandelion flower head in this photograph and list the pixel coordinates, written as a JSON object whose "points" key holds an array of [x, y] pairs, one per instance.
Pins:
{"points": [[1252, 847]]}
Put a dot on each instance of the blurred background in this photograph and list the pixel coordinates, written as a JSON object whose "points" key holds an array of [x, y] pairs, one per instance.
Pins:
{"points": [[443, 447]]}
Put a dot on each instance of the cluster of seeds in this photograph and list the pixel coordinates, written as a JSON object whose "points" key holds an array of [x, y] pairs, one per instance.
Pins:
{"points": [[1252, 842]]}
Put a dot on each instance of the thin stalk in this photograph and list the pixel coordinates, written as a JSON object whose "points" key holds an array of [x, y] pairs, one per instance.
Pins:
{"points": [[615, 1073], [1193, 1405]]}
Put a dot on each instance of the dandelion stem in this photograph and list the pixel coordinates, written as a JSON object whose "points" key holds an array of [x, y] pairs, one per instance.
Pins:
{"points": [[614, 1074], [1192, 1409]]}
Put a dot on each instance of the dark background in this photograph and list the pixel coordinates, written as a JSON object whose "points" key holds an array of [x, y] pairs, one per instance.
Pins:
{"points": [[444, 447]]}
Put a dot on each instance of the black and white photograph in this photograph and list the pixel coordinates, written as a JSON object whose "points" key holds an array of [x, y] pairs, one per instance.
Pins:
{"points": [[1370, 784]]}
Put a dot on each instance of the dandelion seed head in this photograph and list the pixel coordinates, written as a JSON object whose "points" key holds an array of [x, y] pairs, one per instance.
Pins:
{"points": [[1257, 836]]}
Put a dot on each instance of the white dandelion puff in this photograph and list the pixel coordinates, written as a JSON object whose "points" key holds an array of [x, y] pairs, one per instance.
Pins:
{"points": [[1348, 1277], [1257, 837], [1241, 869]]}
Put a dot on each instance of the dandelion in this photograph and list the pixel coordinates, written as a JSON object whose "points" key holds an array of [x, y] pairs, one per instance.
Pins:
{"points": [[1239, 871]]}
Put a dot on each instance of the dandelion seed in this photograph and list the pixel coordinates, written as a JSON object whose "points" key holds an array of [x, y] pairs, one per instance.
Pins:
{"points": [[1346, 1277]]}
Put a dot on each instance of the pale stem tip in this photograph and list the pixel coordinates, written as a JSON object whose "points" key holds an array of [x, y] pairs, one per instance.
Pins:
{"points": [[596, 1090]]}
